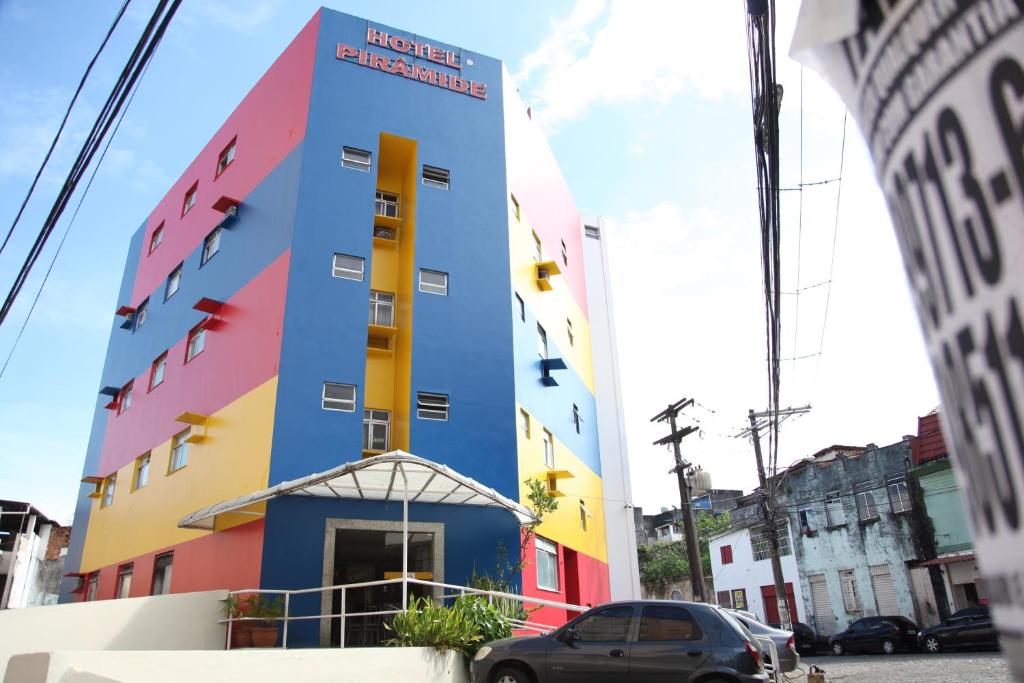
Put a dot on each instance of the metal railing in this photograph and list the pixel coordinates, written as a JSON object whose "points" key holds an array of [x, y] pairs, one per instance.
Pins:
{"points": [[343, 615]]}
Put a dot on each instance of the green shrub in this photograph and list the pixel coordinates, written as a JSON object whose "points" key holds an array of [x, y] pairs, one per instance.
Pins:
{"points": [[490, 620], [464, 627]]}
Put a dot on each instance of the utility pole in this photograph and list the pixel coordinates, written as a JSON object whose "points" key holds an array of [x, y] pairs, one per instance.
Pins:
{"points": [[768, 508], [689, 527]]}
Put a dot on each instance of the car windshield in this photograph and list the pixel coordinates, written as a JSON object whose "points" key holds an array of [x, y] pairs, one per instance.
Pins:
{"points": [[971, 612], [737, 625], [902, 622]]}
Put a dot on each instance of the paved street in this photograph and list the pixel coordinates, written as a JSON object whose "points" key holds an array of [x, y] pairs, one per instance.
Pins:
{"points": [[943, 668]]}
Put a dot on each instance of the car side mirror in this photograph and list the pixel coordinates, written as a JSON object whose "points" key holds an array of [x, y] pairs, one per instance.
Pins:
{"points": [[570, 637]]}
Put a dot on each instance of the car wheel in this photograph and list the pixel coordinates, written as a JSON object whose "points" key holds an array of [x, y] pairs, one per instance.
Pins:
{"points": [[932, 645], [837, 649], [510, 674], [888, 647]]}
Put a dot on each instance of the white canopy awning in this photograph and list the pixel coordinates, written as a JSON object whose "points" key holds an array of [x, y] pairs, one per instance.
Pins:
{"points": [[396, 476]]}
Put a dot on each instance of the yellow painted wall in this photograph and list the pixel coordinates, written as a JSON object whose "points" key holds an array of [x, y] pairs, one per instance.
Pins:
{"points": [[551, 308], [233, 460], [563, 525]]}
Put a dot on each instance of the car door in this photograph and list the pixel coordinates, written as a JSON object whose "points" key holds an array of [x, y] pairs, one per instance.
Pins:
{"points": [[669, 646], [978, 630], [862, 635], [594, 648]]}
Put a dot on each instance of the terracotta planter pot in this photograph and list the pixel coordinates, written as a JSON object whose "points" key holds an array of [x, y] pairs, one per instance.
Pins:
{"points": [[241, 635], [264, 636]]}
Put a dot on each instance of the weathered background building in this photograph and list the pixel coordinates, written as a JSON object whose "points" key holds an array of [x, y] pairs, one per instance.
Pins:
{"points": [[32, 551]]}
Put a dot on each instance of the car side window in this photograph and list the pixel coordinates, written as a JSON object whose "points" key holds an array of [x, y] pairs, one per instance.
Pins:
{"points": [[662, 622], [611, 624]]}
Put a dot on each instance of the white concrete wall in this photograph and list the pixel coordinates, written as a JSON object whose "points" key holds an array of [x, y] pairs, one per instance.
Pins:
{"points": [[744, 572], [352, 665], [620, 530], [184, 621]]}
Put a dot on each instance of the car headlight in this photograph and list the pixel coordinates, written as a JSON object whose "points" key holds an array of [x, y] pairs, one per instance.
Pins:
{"points": [[481, 653]]}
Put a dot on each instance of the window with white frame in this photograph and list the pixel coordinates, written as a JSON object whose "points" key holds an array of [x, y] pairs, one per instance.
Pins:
{"points": [[591, 231], [173, 282], [433, 282], [341, 397], [225, 158], [851, 596], [542, 341], [577, 420], [384, 233], [179, 451], [156, 238], [196, 342], [520, 307], [806, 517], [358, 159], [349, 267], [549, 450], [386, 204], [376, 430], [382, 308], [141, 471], [109, 486], [524, 422], [565, 253], [760, 542], [157, 372], [538, 248], [547, 564], [190, 199], [867, 507], [436, 177], [124, 581], [141, 314], [569, 331], [92, 584], [211, 245], [835, 515], [125, 400], [584, 513], [899, 494], [431, 406], [515, 206], [162, 574]]}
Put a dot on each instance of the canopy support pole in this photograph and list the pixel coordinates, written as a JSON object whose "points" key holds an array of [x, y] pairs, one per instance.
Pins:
{"points": [[405, 539]]}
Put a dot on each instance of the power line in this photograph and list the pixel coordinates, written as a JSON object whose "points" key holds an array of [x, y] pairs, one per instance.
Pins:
{"points": [[63, 122], [799, 232]]}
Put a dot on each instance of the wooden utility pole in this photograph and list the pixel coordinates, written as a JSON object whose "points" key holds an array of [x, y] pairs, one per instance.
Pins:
{"points": [[769, 509], [689, 527]]}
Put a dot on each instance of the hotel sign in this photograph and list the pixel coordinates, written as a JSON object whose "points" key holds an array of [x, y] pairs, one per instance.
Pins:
{"points": [[404, 66]]}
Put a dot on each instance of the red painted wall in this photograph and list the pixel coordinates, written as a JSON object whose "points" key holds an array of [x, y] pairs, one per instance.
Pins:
{"points": [[593, 585], [224, 560], [238, 357], [269, 123], [929, 444]]}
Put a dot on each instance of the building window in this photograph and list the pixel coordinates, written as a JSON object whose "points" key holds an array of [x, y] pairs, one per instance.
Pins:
{"points": [[538, 248], [125, 400], [211, 245], [179, 451], [834, 513], [867, 508], [380, 232], [173, 282], [109, 486], [592, 232], [349, 267], [386, 204], [542, 341], [549, 450], [565, 253], [376, 430], [162, 574], [225, 158], [431, 406], [341, 397], [91, 585], [190, 199], [568, 329], [739, 598], [124, 581], [141, 477], [724, 599], [583, 515], [358, 159], [524, 422], [547, 564], [520, 308], [156, 238], [726, 552], [515, 206], [899, 494], [760, 543], [433, 282], [382, 308], [851, 596], [806, 522], [156, 373], [436, 177], [141, 314], [196, 342], [576, 419]]}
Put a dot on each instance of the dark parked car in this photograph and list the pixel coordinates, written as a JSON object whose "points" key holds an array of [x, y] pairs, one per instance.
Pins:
{"points": [[646, 640], [968, 628], [876, 634], [807, 641]]}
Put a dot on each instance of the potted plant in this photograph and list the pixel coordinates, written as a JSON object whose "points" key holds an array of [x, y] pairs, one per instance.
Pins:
{"points": [[241, 631], [267, 609]]}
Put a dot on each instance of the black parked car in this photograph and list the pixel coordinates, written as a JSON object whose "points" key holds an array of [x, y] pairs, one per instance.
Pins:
{"points": [[876, 634], [807, 641], [968, 628], [641, 641]]}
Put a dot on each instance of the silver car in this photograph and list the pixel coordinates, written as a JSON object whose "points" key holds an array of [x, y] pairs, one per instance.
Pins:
{"points": [[784, 641]]}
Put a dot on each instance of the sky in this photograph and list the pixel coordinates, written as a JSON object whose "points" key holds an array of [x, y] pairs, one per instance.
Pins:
{"points": [[646, 105]]}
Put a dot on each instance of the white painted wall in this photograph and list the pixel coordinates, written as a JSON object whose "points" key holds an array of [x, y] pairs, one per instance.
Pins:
{"points": [[26, 586], [744, 572], [352, 665], [183, 621], [620, 531]]}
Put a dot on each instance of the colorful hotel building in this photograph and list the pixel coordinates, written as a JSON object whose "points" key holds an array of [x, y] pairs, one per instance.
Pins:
{"points": [[368, 169]]}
